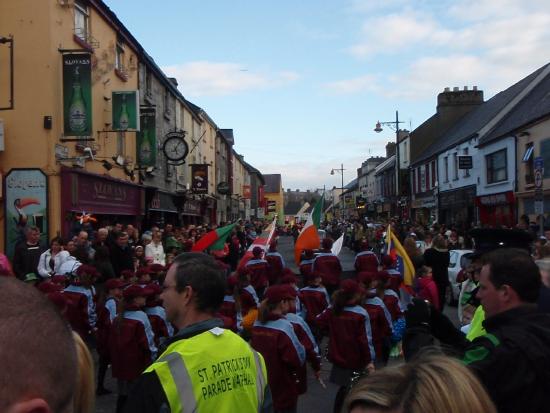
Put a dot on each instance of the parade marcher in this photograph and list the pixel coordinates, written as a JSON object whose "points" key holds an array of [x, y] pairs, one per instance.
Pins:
{"points": [[276, 263], [156, 313], [305, 335], [131, 342], [106, 314], [203, 367], [350, 346], [258, 269], [289, 278], [27, 253], [49, 258], [273, 336], [315, 300], [248, 298], [328, 265], [231, 308], [81, 310], [511, 359], [143, 276], [67, 264], [437, 257], [366, 260], [427, 290], [306, 263], [39, 366]]}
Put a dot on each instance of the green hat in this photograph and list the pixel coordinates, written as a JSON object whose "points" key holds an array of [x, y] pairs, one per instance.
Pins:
{"points": [[30, 277]]}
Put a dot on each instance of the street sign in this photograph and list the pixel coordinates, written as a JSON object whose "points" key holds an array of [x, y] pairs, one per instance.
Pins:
{"points": [[465, 162], [539, 162]]}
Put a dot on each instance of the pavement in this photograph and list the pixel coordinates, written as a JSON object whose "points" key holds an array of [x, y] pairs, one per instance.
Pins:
{"points": [[317, 398]]}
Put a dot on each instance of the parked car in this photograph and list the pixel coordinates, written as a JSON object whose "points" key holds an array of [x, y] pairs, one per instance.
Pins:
{"points": [[458, 260]]}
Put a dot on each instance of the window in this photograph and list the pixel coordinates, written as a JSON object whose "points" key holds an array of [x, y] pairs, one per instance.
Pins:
{"points": [[446, 161], [119, 55], [529, 161], [455, 163], [148, 83], [81, 20], [427, 168], [433, 174], [167, 111], [466, 171], [545, 153], [414, 180], [405, 152], [121, 143], [496, 167]]}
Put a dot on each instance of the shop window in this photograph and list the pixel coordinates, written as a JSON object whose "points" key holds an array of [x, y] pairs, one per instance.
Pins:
{"points": [[496, 167], [545, 153], [81, 20], [148, 83], [529, 161], [414, 180], [446, 162], [433, 174]]}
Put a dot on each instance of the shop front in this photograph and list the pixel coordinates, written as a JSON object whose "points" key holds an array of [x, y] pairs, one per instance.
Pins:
{"points": [[423, 209], [497, 210], [210, 211], [457, 207], [191, 212], [162, 208], [90, 201]]}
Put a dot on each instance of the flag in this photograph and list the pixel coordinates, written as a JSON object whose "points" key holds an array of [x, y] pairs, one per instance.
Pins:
{"points": [[404, 264], [309, 237], [263, 240], [337, 246], [214, 240]]}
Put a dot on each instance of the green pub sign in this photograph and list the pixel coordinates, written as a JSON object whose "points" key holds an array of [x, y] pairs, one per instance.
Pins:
{"points": [[125, 110], [77, 95]]}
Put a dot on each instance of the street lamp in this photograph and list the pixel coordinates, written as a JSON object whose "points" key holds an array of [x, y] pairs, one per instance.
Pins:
{"points": [[341, 172], [395, 126]]}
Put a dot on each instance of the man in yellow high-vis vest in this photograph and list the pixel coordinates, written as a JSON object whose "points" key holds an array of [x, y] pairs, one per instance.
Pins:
{"points": [[203, 367]]}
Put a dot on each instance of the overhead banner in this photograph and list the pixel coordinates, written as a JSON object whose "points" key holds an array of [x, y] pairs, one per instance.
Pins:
{"points": [[77, 95], [26, 204], [147, 139], [199, 174], [125, 110]]}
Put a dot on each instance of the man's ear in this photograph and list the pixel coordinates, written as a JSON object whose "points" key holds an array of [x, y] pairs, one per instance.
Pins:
{"points": [[35, 405]]}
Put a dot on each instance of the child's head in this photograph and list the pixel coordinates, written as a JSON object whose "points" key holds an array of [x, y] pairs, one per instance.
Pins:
{"points": [[314, 279], [424, 271]]}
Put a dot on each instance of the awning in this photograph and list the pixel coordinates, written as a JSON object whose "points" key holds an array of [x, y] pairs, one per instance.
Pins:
{"points": [[162, 202], [528, 153]]}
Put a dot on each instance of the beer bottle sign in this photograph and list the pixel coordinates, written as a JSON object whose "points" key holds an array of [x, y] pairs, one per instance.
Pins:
{"points": [[77, 108], [146, 138], [77, 94], [125, 110], [145, 147]]}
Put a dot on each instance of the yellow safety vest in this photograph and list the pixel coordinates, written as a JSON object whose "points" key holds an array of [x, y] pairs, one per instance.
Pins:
{"points": [[215, 371], [476, 326]]}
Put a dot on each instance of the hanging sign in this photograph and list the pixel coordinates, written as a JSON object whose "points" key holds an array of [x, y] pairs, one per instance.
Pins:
{"points": [[77, 95], [125, 110]]}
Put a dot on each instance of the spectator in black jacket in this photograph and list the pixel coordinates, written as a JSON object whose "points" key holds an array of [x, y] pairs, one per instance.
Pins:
{"points": [[121, 254], [437, 257], [27, 253], [512, 360]]}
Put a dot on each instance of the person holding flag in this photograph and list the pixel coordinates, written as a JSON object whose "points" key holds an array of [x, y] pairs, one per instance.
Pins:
{"points": [[403, 265], [308, 239]]}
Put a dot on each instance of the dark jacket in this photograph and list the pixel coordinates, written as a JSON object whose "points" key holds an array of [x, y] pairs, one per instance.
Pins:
{"points": [[439, 262], [26, 258], [121, 258], [328, 265]]}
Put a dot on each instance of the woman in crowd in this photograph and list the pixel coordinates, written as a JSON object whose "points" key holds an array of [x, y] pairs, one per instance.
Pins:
{"points": [[437, 258], [49, 258], [429, 384], [414, 253], [154, 252]]}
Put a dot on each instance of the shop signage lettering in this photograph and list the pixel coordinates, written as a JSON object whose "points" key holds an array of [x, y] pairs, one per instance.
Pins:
{"points": [[155, 202], [104, 190]]}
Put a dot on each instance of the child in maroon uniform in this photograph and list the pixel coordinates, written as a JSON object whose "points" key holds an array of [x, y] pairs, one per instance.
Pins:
{"points": [[315, 300], [258, 269], [276, 263], [230, 310], [306, 263], [328, 266], [427, 288], [131, 342], [350, 346], [274, 337], [81, 309], [156, 313], [366, 260]]}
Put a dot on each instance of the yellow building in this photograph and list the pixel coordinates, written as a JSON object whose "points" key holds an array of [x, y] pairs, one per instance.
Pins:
{"points": [[48, 37], [275, 198]]}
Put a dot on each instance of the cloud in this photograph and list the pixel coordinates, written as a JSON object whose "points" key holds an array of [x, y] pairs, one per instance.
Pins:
{"points": [[354, 85], [204, 78]]}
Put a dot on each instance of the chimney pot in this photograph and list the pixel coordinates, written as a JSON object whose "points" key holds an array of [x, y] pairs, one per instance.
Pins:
{"points": [[465, 87], [474, 87], [447, 89], [455, 89]]}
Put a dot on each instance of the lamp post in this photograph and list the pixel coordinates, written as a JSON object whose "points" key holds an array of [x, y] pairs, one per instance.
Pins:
{"points": [[395, 126], [341, 172]]}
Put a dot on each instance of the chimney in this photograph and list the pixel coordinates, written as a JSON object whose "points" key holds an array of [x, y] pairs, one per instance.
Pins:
{"points": [[173, 80], [451, 101], [390, 149]]}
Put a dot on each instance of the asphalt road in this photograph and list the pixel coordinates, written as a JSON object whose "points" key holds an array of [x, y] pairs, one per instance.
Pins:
{"points": [[317, 398]]}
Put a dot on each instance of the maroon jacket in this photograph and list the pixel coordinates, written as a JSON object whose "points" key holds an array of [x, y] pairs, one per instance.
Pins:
{"points": [[105, 315], [305, 267], [381, 326], [249, 299], [427, 290], [157, 317], [304, 334], [315, 300], [391, 299], [276, 266], [366, 261], [328, 265], [131, 344], [81, 311], [228, 313], [259, 271], [283, 354], [350, 338]]}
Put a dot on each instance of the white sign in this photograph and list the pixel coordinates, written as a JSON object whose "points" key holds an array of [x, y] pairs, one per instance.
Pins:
{"points": [[539, 207], [2, 134], [61, 151], [261, 213]]}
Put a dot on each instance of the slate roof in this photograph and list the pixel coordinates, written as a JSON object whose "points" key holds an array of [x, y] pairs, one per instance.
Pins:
{"points": [[387, 164], [272, 183], [470, 124], [534, 106], [293, 207]]}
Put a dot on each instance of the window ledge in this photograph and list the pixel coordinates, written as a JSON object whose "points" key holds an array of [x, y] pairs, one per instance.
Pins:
{"points": [[83, 43], [497, 183]]}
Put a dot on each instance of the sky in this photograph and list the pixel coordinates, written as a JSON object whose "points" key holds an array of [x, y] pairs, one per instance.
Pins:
{"points": [[303, 83]]}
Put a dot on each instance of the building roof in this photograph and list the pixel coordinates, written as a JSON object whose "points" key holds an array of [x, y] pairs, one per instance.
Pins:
{"points": [[272, 183], [471, 123], [253, 171], [535, 106], [387, 164]]}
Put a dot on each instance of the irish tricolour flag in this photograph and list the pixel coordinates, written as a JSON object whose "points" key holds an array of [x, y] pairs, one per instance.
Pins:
{"points": [[214, 240], [309, 237]]}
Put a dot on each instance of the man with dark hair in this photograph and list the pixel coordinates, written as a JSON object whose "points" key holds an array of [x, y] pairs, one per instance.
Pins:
{"points": [[203, 367], [27, 253], [121, 254], [37, 352], [513, 358]]}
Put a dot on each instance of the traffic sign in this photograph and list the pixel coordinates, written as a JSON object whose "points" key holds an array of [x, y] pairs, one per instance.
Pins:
{"points": [[539, 163], [539, 206], [538, 178]]}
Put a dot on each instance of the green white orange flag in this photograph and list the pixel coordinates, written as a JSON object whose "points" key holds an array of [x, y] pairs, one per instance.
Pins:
{"points": [[309, 237], [214, 239]]}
